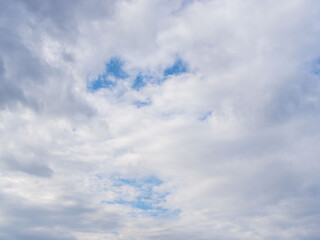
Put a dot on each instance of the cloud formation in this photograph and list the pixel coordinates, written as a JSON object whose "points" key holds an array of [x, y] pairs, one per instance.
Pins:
{"points": [[148, 120]]}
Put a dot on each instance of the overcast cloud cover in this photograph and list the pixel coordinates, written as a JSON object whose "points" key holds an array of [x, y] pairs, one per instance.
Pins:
{"points": [[159, 119]]}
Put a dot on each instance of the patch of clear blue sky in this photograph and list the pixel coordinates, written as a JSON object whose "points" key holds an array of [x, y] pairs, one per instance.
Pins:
{"points": [[101, 82], [138, 182], [148, 200], [114, 67], [113, 72], [177, 68], [139, 82]]}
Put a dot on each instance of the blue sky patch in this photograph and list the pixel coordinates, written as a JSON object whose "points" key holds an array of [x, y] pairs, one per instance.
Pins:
{"points": [[154, 181], [147, 200], [114, 68], [113, 72], [178, 67], [101, 82], [138, 83]]}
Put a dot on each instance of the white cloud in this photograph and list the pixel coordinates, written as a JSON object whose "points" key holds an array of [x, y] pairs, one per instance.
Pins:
{"points": [[226, 150]]}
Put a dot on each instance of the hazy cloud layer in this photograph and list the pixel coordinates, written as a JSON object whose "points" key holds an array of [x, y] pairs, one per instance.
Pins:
{"points": [[138, 119]]}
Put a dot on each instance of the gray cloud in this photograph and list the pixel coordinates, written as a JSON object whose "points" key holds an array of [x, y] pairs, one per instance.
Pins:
{"points": [[25, 74], [33, 168]]}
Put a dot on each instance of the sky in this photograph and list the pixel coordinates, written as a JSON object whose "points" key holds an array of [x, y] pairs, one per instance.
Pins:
{"points": [[162, 119]]}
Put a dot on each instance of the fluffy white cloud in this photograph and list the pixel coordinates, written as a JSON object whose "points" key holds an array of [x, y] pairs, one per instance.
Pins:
{"points": [[218, 141]]}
